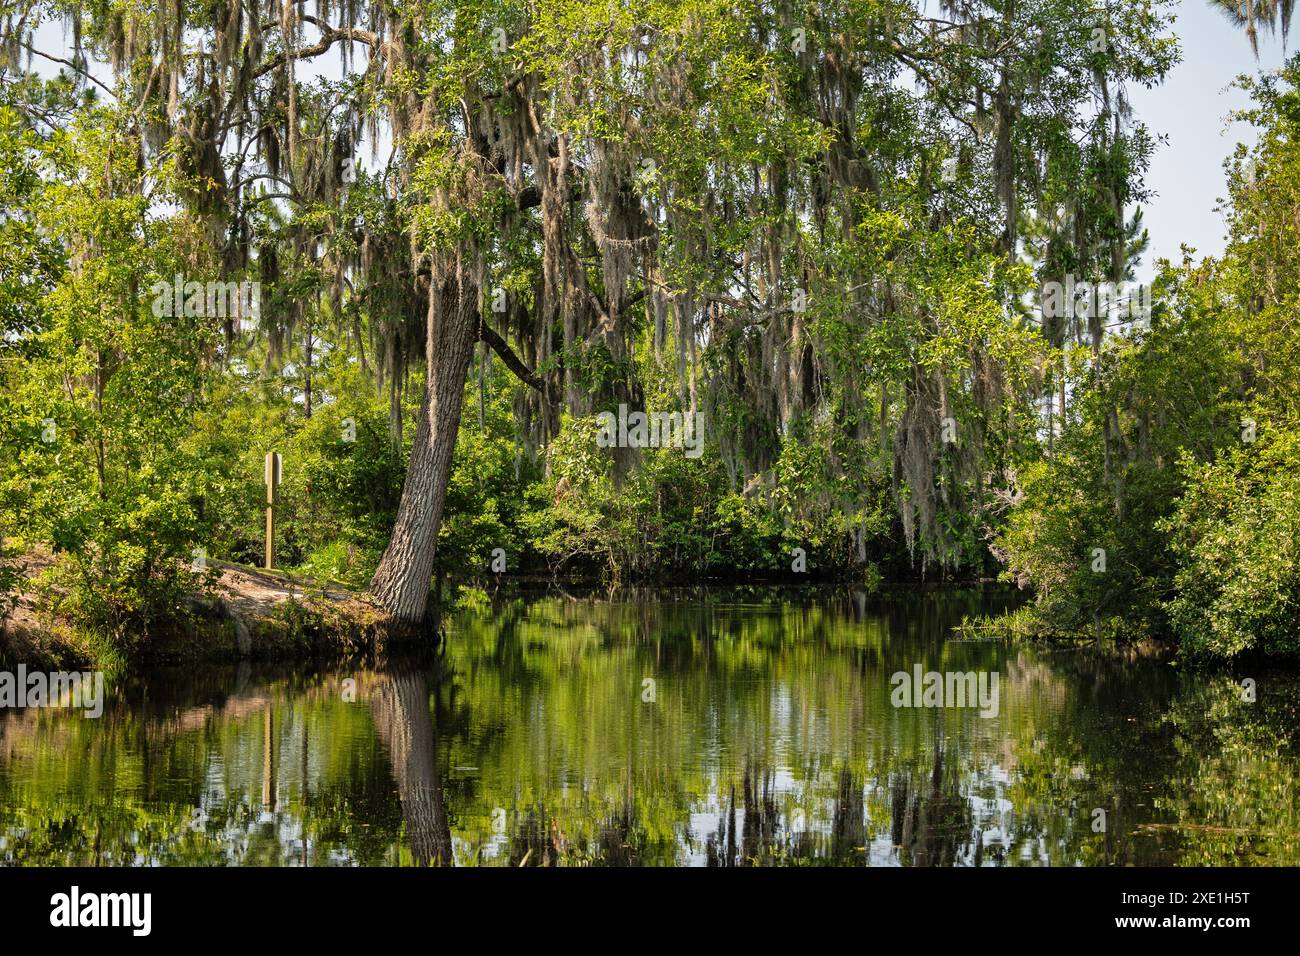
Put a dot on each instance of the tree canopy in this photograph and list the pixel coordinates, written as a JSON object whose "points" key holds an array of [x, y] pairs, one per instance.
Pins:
{"points": [[830, 232]]}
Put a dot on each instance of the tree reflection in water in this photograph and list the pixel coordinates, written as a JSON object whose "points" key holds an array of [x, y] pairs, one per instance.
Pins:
{"points": [[400, 709], [770, 740]]}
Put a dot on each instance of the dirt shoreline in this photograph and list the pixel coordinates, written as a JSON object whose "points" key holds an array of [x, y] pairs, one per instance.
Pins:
{"points": [[250, 614]]}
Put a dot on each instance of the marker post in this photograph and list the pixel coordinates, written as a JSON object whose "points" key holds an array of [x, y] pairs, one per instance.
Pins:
{"points": [[272, 483]]}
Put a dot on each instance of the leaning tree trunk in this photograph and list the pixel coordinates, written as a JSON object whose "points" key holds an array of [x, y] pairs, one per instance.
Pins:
{"points": [[401, 582]]}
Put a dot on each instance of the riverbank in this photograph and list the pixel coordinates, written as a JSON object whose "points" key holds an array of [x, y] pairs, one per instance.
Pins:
{"points": [[255, 614], [252, 614], [248, 614]]}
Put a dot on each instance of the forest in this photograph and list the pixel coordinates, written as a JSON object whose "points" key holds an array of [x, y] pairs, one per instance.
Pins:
{"points": [[640, 292]]}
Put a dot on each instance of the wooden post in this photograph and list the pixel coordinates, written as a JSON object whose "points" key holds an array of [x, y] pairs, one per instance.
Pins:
{"points": [[272, 482]]}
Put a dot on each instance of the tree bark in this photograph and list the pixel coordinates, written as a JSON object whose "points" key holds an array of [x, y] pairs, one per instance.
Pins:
{"points": [[401, 582]]}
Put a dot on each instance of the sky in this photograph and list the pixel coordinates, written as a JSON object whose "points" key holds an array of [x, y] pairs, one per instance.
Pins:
{"points": [[1191, 108]]}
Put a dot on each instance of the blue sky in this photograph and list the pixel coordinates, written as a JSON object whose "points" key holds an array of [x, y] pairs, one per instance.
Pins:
{"points": [[1191, 108]]}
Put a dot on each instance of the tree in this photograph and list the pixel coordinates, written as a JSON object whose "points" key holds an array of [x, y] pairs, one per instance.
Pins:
{"points": [[1273, 14], [799, 220]]}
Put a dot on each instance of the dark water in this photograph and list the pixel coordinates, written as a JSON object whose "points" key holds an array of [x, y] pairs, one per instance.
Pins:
{"points": [[767, 737]]}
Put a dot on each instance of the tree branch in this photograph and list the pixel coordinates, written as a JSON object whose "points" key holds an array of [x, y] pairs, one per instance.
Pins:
{"points": [[329, 36], [513, 361], [79, 70]]}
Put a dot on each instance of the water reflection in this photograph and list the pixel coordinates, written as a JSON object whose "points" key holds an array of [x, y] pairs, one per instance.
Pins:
{"points": [[765, 736], [400, 710]]}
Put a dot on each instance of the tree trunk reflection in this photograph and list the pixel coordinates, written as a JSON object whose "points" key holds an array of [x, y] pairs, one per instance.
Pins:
{"points": [[400, 707]]}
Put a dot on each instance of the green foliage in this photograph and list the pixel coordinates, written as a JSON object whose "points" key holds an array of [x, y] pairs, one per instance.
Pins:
{"points": [[1179, 454], [678, 518], [1236, 535], [1087, 531], [578, 513], [687, 210], [98, 409], [486, 492]]}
